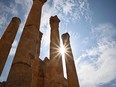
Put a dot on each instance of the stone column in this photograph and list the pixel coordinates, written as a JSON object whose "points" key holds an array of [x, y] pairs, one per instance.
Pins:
{"points": [[21, 71], [70, 66], [54, 38], [56, 69], [27, 44], [7, 40]]}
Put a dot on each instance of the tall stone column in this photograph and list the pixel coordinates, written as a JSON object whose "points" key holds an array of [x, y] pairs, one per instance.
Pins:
{"points": [[30, 35], [56, 69], [7, 40], [70, 66], [54, 38], [21, 71]]}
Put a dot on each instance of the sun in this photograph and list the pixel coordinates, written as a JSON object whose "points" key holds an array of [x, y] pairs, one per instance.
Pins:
{"points": [[62, 49], [59, 50]]}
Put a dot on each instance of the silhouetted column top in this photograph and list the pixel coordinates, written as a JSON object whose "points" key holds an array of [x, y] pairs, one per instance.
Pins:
{"points": [[16, 20], [54, 19], [66, 38], [54, 24], [12, 27]]}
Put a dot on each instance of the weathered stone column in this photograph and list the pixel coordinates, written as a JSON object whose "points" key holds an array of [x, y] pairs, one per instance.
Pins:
{"points": [[7, 40], [56, 69], [31, 33], [70, 66], [54, 38], [21, 71]]}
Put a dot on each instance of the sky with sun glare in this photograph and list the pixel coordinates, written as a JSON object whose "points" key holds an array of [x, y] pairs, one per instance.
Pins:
{"points": [[92, 28]]}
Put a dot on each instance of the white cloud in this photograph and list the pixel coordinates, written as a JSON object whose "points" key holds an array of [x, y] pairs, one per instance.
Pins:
{"points": [[68, 7], [9, 9], [74, 10], [2, 23], [105, 31], [3, 20], [84, 9], [98, 65], [15, 8], [100, 71], [46, 38]]}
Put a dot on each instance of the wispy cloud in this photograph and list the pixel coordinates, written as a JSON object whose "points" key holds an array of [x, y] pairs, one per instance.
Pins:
{"points": [[84, 9], [105, 32], [67, 11], [2, 24], [97, 65]]}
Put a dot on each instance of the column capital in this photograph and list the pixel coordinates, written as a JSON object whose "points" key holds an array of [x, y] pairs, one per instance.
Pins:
{"points": [[42, 1], [54, 19], [65, 37], [16, 20]]}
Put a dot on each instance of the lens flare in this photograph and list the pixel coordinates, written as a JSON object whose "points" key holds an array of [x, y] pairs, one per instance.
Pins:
{"points": [[62, 50]]}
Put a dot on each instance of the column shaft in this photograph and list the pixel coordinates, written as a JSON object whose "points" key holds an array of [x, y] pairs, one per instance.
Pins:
{"points": [[7, 40], [28, 41], [21, 70], [70, 66], [55, 57]]}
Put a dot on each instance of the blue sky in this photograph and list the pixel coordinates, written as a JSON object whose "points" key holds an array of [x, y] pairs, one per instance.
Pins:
{"points": [[92, 28]]}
